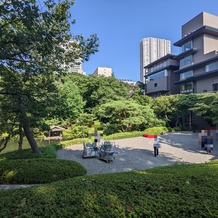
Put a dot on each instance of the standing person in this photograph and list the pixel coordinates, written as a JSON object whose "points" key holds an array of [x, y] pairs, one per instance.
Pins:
{"points": [[156, 146]]}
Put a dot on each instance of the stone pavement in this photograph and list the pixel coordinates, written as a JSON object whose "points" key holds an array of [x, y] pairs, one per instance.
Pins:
{"points": [[9, 186], [137, 153]]}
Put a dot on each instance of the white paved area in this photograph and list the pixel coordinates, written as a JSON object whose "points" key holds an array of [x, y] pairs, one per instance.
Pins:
{"points": [[137, 153]]}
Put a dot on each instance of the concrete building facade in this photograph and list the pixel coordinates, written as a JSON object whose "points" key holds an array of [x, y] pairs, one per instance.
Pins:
{"points": [[152, 49], [103, 71], [160, 77], [77, 68], [198, 71], [195, 69]]}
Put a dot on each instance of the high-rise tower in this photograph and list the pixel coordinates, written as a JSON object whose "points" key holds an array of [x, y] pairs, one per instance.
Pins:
{"points": [[152, 49]]}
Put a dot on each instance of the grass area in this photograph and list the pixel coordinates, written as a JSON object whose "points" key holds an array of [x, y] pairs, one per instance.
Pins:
{"points": [[172, 191], [38, 171]]}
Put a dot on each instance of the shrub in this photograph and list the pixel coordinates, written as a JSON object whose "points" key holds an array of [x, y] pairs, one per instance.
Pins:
{"points": [[34, 171], [109, 129], [76, 132], [176, 191], [156, 130], [123, 135], [74, 141]]}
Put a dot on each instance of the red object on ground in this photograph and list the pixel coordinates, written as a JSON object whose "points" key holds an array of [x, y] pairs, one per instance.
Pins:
{"points": [[150, 136]]}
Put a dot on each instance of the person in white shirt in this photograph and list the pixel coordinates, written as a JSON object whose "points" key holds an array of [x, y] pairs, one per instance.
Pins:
{"points": [[156, 146]]}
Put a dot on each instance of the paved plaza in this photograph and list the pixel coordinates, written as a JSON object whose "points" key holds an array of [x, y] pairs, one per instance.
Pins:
{"points": [[137, 153]]}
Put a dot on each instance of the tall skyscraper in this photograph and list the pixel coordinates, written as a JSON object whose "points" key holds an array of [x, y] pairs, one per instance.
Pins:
{"points": [[152, 49]]}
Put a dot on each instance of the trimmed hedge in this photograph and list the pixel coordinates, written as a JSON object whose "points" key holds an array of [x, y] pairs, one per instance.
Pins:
{"points": [[174, 191], [156, 130], [121, 135], [38, 171]]}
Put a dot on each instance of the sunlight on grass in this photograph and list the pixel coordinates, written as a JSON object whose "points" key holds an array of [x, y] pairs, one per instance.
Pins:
{"points": [[45, 190], [10, 174], [141, 172], [2, 159]]}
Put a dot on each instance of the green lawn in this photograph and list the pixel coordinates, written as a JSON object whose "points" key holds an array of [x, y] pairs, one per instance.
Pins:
{"points": [[172, 191]]}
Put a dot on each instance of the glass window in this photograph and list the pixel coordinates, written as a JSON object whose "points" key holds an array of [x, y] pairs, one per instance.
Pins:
{"points": [[187, 46], [186, 88], [215, 87], [186, 61], [186, 75], [159, 66], [158, 75], [211, 66]]}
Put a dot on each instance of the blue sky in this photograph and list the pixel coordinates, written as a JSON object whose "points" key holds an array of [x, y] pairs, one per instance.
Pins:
{"points": [[121, 24]]}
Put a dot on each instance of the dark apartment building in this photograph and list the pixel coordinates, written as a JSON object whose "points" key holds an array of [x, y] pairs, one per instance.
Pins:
{"points": [[160, 77], [197, 64]]}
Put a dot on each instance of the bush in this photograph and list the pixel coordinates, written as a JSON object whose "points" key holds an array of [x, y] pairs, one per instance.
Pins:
{"points": [[38, 171], [123, 135], [176, 191], [109, 129], [76, 132], [156, 130], [74, 141]]}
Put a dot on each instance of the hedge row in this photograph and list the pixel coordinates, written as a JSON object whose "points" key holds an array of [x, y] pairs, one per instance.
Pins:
{"points": [[121, 135], [176, 191], [38, 171]]}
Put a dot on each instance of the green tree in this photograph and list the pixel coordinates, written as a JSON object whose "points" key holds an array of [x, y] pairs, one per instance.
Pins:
{"points": [[127, 114], [103, 89], [165, 108], [70, 103], [183, 111], [206, 107], [34, 45]]}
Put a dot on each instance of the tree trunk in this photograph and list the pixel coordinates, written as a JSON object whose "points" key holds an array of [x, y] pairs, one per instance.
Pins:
{"points": [[120, 120], [4, 143], [20, 141], [26, 127], [30, 137], [190, 120]]}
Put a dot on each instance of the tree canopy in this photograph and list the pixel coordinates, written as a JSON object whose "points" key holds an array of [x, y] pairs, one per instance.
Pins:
{"points": [[35, 46]]}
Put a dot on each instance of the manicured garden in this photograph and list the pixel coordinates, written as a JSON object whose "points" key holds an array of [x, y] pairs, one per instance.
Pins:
{"points": [[179, 190], [172, 191]]}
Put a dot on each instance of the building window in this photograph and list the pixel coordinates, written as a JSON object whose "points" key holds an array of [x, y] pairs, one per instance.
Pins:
{"points": [[186, 61], [187, 46], [158, 75], [211, 66], [159, 66], [186, 88], [215, 87], [155, 85], [186, 75]]}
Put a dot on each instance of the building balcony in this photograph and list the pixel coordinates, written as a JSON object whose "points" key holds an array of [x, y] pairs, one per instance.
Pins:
{"points": [[186, 53], [187, 91]]}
